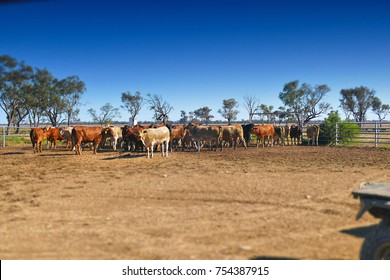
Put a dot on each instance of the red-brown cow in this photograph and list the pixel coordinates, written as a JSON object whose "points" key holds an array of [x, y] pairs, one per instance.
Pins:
{"points": [[84, 134], [53, 134], [131, 137], [178, 133], [37, 135], [264, 131]]}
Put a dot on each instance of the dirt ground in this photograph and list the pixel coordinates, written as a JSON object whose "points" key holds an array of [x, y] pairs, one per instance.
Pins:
{"points": [[272, 203]]}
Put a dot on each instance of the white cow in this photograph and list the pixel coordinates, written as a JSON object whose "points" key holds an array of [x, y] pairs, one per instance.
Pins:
{"points": [[66, 132], [155, 136], [115, 134]]}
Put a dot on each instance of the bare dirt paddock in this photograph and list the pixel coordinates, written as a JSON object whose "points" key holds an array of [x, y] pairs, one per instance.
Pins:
{"points": [[272, 203]]}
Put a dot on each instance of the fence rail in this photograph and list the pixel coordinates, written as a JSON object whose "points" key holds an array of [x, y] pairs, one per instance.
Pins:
{"points": [[360, 134]]}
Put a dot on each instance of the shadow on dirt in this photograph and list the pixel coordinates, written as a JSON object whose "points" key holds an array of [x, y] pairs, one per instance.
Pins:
{"points": [[270, 258], [56, 155], [125, 156], [361, 232], [12, 153]]}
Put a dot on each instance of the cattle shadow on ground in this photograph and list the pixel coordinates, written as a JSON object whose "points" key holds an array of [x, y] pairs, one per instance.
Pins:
{"points": [[361, 232], [56, 155], [125, 156], [12, 153], [271, 258]]}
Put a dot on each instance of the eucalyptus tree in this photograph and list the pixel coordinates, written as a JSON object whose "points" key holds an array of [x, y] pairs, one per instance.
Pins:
{"points": [[305, 102], [380, 109], [160, 107], [36, 100], [14, 83], [357, 101], [203, 114], [107, 114], [71, 90], [133, 103], [251, 104], [228, 110]]}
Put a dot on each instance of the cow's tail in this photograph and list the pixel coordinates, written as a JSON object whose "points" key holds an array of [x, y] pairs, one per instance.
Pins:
{"points": [[169, 126], [74, 135]]}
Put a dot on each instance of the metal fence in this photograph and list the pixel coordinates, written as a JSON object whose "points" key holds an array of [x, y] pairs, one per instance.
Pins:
{"points": [[363, 133], [373, 134]]}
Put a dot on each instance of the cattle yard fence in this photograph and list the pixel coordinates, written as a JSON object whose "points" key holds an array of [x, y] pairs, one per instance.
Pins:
{"points": [[372, 134]]}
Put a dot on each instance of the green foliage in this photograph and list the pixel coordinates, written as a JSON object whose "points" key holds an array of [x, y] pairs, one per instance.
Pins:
{"points": [[346, 130], [356, 101], [305, 101], [203, 114], [228, 110], [17, 140], [107, 114]]}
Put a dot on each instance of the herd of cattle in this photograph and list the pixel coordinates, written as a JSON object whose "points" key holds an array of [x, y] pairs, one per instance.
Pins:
{"points": [[169, 136]]}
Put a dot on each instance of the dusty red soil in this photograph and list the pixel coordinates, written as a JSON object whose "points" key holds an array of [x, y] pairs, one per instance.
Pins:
{"points": [[280, 202]]}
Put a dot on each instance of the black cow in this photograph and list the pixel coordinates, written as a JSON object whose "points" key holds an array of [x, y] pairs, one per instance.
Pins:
{"points": [[247, 132]]}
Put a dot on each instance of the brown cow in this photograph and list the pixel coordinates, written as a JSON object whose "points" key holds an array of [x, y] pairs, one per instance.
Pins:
{"points": [[84, 134], [205, 133], [233, 133], [178, 133], [312, 132], [264, 131], [131, 137], [37, 135], [53, 134]]}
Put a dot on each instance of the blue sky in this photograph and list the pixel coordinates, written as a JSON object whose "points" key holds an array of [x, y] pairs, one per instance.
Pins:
{"points": [[197, 53]]}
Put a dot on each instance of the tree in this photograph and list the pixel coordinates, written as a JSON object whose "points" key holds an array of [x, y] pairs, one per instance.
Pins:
{"points": [[357, 101], [160, 107], [132, 103], [14, 81], [268, 112], [381, 110], [71, 90], [305, 102], [203, 114], [228, 110], [346, 130], [62, 98], [36, 98], [251, 104], [183, 117], [107, 114]]}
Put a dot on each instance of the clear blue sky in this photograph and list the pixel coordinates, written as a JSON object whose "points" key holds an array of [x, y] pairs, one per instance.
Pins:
{"points": [[197, 53]]}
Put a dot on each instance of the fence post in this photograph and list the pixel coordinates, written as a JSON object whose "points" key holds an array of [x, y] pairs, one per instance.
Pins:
{"points": [[376, 134], [3, 136], [336, 140]]}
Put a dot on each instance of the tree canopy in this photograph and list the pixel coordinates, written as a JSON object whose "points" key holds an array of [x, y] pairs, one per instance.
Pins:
{"points": [[228, 110], [160, 107], [36, 93], [133, 103], [106, 116], [305, 102], [203, 114], [357, 101]]}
